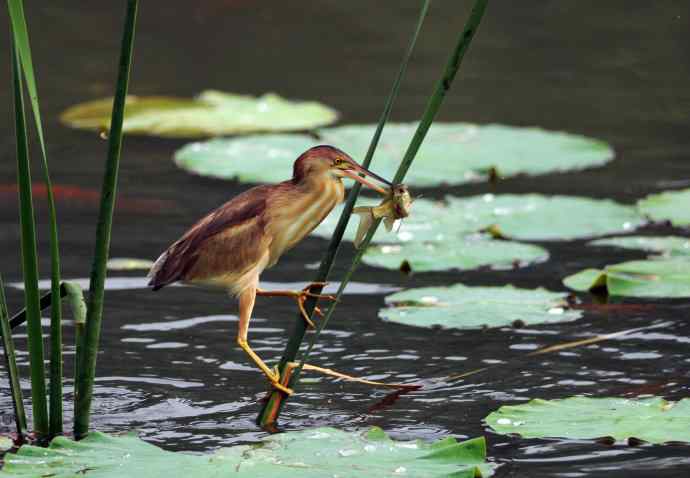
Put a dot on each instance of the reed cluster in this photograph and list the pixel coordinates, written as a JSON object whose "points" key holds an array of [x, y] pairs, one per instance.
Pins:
{"points": [[48, 413]]}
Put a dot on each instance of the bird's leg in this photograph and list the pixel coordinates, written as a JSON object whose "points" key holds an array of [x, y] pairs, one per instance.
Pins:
{"points": [[300, 297], [246, 299]]}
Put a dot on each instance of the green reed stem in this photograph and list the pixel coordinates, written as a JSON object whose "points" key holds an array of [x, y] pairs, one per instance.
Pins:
{"points": [[21, 42], [433, 105], [29, 260], [87, 366], [271, 408], [11, 363]]}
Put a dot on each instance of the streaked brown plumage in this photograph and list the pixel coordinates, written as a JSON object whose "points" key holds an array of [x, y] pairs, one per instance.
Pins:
{"points": [[231, 246]]}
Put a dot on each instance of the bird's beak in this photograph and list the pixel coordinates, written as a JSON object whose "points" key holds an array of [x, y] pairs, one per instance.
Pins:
{"points": [[357, 172]]}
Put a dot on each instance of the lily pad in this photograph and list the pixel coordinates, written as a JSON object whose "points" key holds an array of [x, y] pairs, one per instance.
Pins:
{"points": [[453, 153], [673, 206], [308, 454], [665, 246], [467, 252], [545, 218], [212, 113], [531, 217], [252, 159], [653, 420], [128, 264], [464, 307], [666, 278]]}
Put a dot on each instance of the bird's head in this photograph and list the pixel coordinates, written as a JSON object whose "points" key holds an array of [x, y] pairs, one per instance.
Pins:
{"points": [[329, 161]]}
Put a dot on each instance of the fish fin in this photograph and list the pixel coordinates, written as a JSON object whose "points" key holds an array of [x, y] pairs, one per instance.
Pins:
{"points": [[366, 219]]}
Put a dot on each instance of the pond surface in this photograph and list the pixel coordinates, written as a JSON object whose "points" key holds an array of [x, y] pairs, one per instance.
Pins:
{"points": [[169, 365]]}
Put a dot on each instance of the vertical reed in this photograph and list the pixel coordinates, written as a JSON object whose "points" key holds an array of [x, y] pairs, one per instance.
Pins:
{"points": [[87, 365], [29, 260], [21, 43], [271, 408], [11, 363]]}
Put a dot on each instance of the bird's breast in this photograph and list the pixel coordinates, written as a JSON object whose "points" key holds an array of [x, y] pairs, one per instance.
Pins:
{"points": [[299, 213]]}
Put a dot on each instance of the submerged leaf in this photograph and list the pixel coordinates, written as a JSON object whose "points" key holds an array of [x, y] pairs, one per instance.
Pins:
{"points": [[673, 206], [212, 113], [651, 419], [465, 307], [309, 454], [454, 153], [666, 246], [667, 278]]}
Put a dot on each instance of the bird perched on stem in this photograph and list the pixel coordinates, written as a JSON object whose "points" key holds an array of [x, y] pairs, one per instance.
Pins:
{"points": [[231, 246]]}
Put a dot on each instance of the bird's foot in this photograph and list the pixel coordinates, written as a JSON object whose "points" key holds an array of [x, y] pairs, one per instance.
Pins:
{"points": [[301, 297], [274, 378]]}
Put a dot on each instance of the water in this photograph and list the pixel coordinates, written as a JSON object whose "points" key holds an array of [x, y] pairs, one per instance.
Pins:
{"points": [[169, 365]]}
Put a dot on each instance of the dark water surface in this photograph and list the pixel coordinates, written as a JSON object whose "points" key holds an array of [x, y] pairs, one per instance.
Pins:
{"points": [[617, 70]]}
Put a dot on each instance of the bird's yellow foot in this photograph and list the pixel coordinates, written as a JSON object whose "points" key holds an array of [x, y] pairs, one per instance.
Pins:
{"points": [[301, 297], [274, 378]]}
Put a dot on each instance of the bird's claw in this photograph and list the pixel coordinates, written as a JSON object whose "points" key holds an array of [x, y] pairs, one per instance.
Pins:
{"points": [[274, 379], [301, 297]]}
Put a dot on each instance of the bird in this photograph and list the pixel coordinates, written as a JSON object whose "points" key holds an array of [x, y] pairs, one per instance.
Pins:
{"points": [[232, 245]]}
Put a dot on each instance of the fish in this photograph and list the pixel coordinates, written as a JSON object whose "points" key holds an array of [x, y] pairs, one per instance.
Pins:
{"points": [[396, 205]]}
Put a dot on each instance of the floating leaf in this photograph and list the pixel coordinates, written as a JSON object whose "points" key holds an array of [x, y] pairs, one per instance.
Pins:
{"points": [[212, 113], [271, 156], [6, 443], [545, 218], [464, 307], [670, 205], [128, 264], [468, 252], [517, 216], [306, 454], [454, 153], [667, 278], [651, 419], [666, 246], [428, 221]]}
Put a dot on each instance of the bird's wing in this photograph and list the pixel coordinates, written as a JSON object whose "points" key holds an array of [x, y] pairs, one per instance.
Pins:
{"points": [[222, 240]]}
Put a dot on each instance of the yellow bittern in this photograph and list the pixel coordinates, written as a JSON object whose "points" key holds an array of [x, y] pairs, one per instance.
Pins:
{"points": [[231, 246]]}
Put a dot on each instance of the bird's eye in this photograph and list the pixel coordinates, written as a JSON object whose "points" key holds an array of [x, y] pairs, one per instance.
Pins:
{"points": [[337, 162]]}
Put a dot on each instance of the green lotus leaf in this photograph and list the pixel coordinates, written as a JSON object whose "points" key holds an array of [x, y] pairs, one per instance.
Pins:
{"points": [[665, 246], [666, 278], [673, 206], [128, 264], [468, 252], [311, 453], [429, 221], [5, 443], [253, 159], [524, 217], [464, 307], [453, 153], [653, 420], [212, 113], [544, 218]]}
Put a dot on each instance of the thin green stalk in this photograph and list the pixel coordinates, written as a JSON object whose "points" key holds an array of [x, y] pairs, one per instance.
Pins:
{"points": [[430, 112], [87, 366], [11, 362], [29, 260], [274, 402], [21, 42]]}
